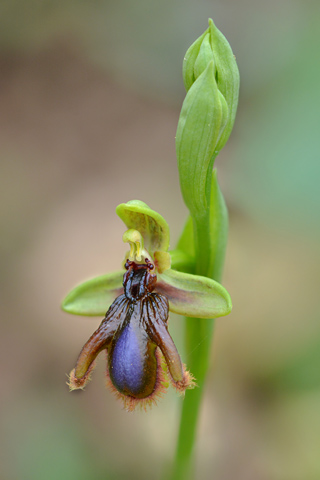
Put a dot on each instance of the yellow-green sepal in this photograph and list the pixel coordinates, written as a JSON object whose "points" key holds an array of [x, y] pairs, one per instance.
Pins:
{"points": [[193, 295], [94, 297], [154, 229]]}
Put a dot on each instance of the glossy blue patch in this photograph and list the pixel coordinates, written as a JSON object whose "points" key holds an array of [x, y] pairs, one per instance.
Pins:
{"points": [[127, 363]]}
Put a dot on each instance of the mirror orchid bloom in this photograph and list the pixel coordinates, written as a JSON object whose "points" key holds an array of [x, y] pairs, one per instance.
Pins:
{"points": [[142, 358]]}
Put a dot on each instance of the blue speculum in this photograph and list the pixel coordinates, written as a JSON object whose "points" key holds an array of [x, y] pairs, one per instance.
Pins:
{"points": [[127, 363], [132, 366], [135, 335]]}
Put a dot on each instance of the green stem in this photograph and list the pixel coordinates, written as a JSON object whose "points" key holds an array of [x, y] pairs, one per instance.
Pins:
{"points": [[199, 338], [210, 238]]}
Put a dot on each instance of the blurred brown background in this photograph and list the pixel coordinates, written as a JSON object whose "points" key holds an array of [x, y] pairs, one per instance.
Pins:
{"points": [[89, 102]]}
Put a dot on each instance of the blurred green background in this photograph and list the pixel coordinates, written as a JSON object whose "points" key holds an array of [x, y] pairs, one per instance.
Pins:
{"points": [[90, 94]]}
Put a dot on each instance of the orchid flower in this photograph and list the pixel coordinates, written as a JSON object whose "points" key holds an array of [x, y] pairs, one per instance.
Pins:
{"points": [[141, 355]]}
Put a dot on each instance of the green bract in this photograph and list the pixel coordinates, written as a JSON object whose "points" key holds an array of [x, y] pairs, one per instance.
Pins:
{"points": [[211, 78], [188, 294], [215, 235]]}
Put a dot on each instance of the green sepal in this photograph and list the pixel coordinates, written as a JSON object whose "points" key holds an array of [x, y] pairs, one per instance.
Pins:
{"points": [[152, 226], [94, 297], [200, 126], [193, 295]]}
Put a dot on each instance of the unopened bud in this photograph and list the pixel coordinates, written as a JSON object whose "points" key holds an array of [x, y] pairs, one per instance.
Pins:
{"points": [[211, 78]]}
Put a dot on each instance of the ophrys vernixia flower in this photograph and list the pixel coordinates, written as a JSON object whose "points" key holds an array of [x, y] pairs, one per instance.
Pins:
{"points": [[141, 354]]}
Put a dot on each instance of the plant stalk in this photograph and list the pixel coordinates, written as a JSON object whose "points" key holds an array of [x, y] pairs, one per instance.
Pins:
{"points": [[210, 238]]}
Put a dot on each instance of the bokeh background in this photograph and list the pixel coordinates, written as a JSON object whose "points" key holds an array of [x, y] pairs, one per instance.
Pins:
{"points": [[90, 94]]}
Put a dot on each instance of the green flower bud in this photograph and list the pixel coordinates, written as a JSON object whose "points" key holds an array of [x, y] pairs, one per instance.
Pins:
{"points": [[212, 45], [211, 78]]}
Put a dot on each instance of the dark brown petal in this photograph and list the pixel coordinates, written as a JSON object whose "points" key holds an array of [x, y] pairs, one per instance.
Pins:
{"points": [[154, 315], [100, 339]]}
